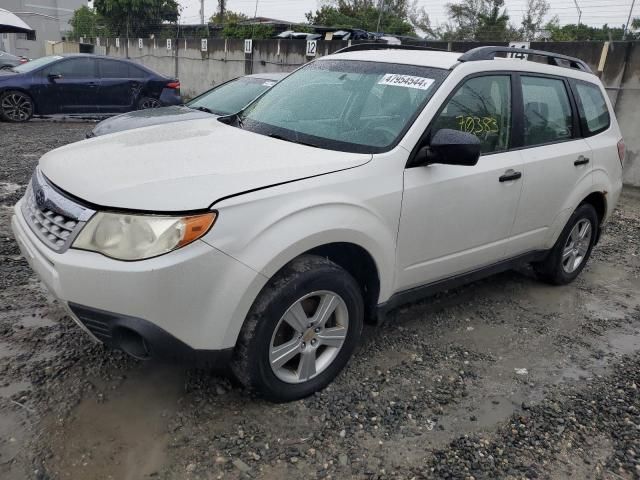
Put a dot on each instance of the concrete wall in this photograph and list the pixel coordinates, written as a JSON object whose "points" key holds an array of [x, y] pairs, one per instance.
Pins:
{"points": [[225, 59]]}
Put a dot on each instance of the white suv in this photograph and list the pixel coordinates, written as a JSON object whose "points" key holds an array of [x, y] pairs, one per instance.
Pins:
{"points": [[366, 179]]}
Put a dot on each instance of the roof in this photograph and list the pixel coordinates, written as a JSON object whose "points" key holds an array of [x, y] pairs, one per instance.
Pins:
{"points": [[449, 60], [424, 58], [276, 77], [10, 22]]}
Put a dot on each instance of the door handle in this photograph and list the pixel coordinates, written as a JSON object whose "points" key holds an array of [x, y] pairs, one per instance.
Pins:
{"points": [[582, 160], [510, 175]]}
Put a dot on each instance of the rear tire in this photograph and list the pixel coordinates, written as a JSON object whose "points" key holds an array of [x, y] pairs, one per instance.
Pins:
{"points": [[572, 249], [16, 106], [301, 331], [147, 102]]}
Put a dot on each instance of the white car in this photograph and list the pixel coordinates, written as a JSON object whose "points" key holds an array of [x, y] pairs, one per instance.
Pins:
{"points": [[365, 179]]}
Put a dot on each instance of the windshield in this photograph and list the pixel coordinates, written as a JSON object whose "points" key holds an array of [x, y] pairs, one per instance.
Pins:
{"points": [[37, 63], [343, 105], [232, 96]]}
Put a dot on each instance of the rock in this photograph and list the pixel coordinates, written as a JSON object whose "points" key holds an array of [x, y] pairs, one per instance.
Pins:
{"points": [[343, 460], [240, 465]]}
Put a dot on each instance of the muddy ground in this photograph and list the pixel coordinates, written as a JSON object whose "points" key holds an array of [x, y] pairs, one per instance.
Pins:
{"points": [[504, 378]]}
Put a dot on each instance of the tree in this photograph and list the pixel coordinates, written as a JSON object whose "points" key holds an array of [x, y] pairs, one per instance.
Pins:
{"points": [[84, 23], [365, 14], [635, 25], [533, 18], [482, 20], [136, 18], [229, 17], [582, 32], [493, 25], [419, 19]]}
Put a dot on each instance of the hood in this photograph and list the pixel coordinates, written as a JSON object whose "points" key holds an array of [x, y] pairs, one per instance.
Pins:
{"points": [[6, 74], [146, 118], [183, 166]]}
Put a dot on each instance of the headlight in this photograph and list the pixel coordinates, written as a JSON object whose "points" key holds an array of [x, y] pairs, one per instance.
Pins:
{"points": [[136, 237]]}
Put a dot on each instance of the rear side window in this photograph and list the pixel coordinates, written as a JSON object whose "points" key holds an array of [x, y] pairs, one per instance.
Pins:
{"points": [[115, 69], [593, 108], [481, 106], [547, 111]]}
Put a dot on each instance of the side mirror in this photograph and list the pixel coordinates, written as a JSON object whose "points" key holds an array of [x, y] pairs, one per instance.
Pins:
{"points": [[54, 76], [450, 147]]}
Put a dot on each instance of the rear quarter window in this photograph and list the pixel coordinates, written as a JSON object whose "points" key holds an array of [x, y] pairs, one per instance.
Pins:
{"points": [[594, 113]]}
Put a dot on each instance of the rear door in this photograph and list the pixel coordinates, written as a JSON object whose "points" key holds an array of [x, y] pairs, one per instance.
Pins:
{"points": [[120, 86], [72, 84], [555, 160]]}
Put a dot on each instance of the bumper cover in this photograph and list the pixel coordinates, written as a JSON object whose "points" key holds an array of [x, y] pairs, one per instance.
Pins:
{"points": [[196, 294]]}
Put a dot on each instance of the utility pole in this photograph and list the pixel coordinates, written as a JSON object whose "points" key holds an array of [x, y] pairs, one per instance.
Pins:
{"points": [[626, 28], [202, 12], [579, 12], [222, 7], [381, 8]]}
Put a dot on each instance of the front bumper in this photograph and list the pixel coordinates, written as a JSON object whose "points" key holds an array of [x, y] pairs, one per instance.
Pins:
{"points": [[197, 294]]}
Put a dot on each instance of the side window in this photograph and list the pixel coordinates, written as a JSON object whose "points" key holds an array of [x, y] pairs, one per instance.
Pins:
{"points": [[135, 72], [113, 69], [80, 67], [547, 111], [482, 106], [593, 108]]}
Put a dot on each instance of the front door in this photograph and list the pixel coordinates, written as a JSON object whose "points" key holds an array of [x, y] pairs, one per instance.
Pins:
{"points": [[73, 85], [458, 218]]}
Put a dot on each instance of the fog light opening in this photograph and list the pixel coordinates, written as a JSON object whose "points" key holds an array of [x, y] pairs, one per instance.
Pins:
{"points": [[133, 344]]}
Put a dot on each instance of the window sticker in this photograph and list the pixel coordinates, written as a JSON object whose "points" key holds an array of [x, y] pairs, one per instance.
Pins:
{"points": [[408, 81], [478, 125]]}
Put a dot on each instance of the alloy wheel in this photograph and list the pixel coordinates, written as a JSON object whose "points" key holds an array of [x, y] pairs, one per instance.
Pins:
{"points": [[149, 103], [17, 107], [309, 336], [577, 246]]}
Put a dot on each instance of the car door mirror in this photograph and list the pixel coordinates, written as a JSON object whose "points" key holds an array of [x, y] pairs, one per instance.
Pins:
{"points": [[450, 147], [54, 76]]}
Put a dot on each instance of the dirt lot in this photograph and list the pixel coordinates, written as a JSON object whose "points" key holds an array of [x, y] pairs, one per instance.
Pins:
{"points": [[504, 378]]}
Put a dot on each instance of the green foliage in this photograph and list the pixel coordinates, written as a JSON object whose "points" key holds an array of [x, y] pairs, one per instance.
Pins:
{"points": [[576, 33], [85, 22], [364, 14], [229, 17], [258, 32], [137, 18], [635, 24], [481, 20]]}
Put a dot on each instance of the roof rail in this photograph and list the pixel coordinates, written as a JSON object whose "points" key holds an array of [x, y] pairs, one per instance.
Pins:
{"points": [[489, 53], [356, 47]]}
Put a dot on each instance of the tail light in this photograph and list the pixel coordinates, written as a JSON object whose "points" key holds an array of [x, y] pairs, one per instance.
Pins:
{"points": [[621, 150], [175, 85], [23, 60]]}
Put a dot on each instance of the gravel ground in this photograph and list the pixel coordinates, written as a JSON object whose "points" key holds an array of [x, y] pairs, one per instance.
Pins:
{"points": [[504, 378]]}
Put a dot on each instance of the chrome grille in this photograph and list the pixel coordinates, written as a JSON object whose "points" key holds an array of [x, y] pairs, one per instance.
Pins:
{"points": [[53, 217]]}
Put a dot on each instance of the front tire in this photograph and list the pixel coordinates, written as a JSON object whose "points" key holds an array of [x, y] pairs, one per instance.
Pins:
{"points": [[16, 106], [301, 331], [572, 249]]}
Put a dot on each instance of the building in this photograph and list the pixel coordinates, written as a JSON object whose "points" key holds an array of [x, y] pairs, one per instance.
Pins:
{"points": [[48, 18]]}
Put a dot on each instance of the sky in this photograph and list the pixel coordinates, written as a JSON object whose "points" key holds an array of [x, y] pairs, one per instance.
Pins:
{"points": [[594, 12]]}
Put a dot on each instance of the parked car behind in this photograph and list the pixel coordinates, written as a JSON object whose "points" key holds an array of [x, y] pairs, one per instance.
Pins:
{"points": [[82, 83], [224, 99], [8, 61]]}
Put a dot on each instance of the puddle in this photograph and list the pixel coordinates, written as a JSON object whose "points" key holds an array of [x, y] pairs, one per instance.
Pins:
{"points": [[7, 188], [8, 391], [35, 321], [125, 436]]}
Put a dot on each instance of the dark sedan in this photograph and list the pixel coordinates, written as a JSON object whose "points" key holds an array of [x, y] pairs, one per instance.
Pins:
{"points": [[82, 84], [225, 99], [8, 61]]}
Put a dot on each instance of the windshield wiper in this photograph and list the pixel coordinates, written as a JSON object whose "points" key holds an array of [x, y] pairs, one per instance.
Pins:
{"points": [[204, 109], [280, 137]]}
